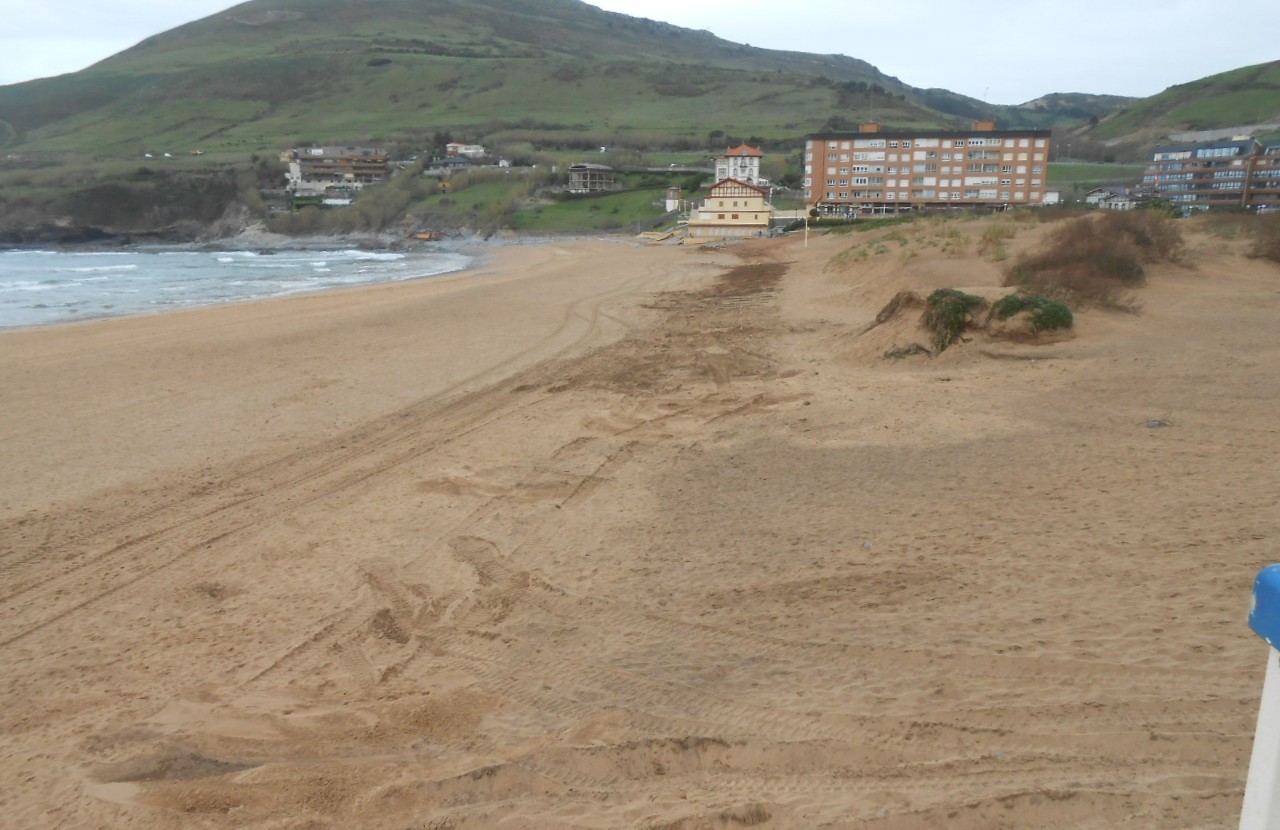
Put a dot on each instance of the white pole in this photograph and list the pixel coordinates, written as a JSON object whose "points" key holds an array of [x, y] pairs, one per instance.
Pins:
{"points": [[1262, 791]]}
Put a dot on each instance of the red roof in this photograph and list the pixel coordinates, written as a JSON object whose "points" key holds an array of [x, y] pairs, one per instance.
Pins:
{"points": [[761, 190], [744, 150]]}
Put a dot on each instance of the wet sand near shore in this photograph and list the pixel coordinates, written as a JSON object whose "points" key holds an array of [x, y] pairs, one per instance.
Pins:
{"points": [[610, 535]]}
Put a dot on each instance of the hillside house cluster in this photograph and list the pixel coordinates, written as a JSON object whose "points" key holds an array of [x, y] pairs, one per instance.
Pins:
{"points": [[885, 171], [1106, 198], [316, 170], [472, 151], [1241, 172]]}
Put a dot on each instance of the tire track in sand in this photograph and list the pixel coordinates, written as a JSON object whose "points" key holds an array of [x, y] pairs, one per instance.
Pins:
{"points": [[169, 533]]}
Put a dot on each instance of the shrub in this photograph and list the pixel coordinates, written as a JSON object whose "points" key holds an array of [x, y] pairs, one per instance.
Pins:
{"points": [[947, 312], [1154, 232], [1226, 224], [1266, 238], [993, 237], [1097, 259], [1045, 314]]}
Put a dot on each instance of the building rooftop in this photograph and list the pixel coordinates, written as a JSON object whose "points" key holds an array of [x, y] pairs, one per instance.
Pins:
{"points": [[1243, 144], [925, 133]]}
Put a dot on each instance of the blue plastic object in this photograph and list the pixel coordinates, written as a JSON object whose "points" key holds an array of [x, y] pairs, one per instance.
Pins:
{"points": [[1264, 614]]}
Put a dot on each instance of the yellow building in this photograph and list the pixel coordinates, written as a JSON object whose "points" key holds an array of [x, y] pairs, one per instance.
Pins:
{"points": [[732, 209]]}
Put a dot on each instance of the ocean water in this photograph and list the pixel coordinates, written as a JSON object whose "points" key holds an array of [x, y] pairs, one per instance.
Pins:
{"points": [[45, 287]]}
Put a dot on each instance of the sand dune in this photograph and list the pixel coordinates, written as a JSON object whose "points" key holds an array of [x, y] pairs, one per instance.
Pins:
{"points": [[602, 535]]}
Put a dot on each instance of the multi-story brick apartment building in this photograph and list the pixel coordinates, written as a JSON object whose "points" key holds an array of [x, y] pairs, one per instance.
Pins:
{"points": [[885, 171], [1239, 173]]}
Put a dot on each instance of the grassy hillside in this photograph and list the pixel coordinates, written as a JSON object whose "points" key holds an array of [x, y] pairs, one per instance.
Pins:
{"points": [[1246, 96], [536, 81], [1059, 108], [265, 75]]}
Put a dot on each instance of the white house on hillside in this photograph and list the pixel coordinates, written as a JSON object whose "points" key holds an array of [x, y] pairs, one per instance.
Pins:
{"points": [[471, 151], [741, 163]]}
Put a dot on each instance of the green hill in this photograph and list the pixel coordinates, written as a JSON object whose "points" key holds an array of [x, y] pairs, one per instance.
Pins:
{"points": [[533, 80], [275, 73], [265, 75], [1240, 98]]}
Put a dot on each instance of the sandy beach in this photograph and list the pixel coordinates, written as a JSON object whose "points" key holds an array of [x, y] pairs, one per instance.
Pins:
{"points": [[603, 534]]}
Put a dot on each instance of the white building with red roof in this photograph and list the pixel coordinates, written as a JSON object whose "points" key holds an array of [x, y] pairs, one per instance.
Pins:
{"points": [[741, 163]]}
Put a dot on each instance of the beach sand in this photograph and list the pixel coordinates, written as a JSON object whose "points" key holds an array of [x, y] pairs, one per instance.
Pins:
{"points": [[607, 535]]}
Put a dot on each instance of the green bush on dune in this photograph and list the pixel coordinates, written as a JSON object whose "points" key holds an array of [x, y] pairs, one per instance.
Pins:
{"points": [[947, 313], [1045, 314]]}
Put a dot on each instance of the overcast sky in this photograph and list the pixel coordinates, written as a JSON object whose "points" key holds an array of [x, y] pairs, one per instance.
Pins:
{"points": [[1118, 47]]}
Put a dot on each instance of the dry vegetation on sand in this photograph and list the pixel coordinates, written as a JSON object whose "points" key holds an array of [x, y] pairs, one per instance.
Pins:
{"points": [[1098, 259]]}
